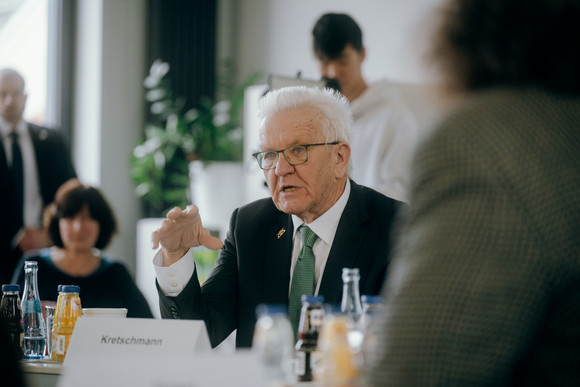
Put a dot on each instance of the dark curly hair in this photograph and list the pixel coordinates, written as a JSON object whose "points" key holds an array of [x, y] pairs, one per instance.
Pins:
{"points": [[70, 199], [484, 43], [332, 32]]}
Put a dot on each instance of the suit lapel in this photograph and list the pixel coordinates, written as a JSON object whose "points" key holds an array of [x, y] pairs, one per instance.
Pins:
{"points": [[3, 161], [349, 236], [277, 261]]}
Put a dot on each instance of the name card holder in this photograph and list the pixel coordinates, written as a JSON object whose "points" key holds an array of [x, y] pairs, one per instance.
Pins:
{"points": [[130, 337]]}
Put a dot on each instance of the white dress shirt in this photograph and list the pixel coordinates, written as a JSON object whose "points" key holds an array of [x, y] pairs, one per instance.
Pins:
{"points": [[172, 279], [325, 227], [32, 201]]}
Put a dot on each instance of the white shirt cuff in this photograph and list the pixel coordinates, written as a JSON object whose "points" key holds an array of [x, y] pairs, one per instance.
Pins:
{"points": [[172, 279]]}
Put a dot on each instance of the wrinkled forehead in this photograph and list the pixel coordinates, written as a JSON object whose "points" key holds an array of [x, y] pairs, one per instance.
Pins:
{"points": [[300, 122]]}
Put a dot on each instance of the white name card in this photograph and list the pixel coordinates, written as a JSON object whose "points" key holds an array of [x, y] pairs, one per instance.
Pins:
{"points": [[101, 336]]}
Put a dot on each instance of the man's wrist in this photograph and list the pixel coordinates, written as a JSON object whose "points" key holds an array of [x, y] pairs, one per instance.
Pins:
{"points": [[170, 257]]}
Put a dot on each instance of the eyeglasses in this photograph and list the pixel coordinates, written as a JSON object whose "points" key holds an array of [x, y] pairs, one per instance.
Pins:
{"points": [[295, 155]]}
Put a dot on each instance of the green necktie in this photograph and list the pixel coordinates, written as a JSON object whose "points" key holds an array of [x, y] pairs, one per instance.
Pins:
{"points": [[303, 277]]}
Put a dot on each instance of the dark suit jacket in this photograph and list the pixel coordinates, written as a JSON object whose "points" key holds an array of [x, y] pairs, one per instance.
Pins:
{"points": [[54, 168], [254, 265]]}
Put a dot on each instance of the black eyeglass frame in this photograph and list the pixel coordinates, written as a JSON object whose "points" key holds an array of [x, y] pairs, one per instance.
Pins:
{"points": [[305, 146]]}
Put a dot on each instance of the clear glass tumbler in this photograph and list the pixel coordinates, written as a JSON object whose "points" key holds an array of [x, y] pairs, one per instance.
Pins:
{"points": [[49, 313]]}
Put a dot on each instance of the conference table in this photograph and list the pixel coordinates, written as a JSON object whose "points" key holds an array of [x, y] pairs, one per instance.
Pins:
{"points": [[46, 373], [41, 373]]}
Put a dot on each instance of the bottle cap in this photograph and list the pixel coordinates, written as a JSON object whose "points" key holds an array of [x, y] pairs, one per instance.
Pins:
{"points": [[312, 299], [32, 264], [331, 309], [271, 309], [366, 299], [59, 288], [71, 289], [11, 288]]}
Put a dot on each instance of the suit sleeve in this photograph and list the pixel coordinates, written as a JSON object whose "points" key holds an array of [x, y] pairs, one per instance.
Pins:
{"points": [[216, 301]]}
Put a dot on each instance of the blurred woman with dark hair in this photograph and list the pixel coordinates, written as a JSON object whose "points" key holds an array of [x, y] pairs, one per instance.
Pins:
{"points": [[80, 223]]}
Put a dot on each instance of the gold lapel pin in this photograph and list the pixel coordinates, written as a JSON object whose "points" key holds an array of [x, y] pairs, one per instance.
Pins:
{"points": [[281, 232]]}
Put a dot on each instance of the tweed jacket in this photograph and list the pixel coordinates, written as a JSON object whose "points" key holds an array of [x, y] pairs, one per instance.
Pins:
{"points": [[254, 265], [484, 286]]}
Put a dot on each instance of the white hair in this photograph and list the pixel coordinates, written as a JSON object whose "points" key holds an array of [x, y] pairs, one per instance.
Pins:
{"points": [[336, 114]]}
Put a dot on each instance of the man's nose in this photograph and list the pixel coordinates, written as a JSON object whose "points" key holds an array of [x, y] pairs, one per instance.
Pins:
{"points": [[283, 167], [330, 71]]}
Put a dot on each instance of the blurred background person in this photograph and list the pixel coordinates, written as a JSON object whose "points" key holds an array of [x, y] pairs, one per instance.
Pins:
{"points": [[484, 289], [80, 222], [384, 133], [34, 162]]}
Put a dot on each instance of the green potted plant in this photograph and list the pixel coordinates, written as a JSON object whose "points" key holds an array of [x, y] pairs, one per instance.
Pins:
{"points": [[160, 164]]}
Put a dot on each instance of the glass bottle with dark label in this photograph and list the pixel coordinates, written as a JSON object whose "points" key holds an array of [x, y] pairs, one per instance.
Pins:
{"points": [[12, 316], [307, 354]]}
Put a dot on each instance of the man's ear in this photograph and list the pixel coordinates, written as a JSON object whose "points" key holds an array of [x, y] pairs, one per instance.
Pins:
{"points": [[363, 53], [342, 158]]}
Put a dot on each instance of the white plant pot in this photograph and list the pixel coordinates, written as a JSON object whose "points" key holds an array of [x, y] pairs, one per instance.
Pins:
{"points": [[217, 189]]}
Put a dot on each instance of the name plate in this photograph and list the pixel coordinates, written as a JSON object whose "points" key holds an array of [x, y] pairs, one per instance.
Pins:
{"points": [[101, 336]]}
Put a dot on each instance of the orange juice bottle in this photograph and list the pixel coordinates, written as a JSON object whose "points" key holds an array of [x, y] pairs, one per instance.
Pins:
{"points": [[55, 320], [338, 366], [68, 310]]}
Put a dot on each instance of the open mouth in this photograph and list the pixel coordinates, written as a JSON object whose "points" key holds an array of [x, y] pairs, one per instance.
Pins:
{"points": [[289, 189]]}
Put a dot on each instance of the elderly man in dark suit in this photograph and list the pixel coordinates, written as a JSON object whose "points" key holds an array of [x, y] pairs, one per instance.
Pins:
{"points": [[34, 162], [304, 152], [484, 285]]}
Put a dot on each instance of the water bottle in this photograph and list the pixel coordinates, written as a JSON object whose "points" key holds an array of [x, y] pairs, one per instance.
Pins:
{"points": [[273, 345], [11, 313], [351, 305], [372, 307], [307, 354], [352, 309], [32, 319]]}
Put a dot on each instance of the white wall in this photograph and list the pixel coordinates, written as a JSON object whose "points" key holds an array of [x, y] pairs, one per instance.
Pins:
{"points": [[275, 36], [108, 116]]}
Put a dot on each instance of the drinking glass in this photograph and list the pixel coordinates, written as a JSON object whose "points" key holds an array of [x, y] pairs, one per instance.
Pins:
{"points": [[49, 313]]}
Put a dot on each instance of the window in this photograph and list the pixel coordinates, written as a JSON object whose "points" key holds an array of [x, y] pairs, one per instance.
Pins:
{"points": [[23, 46]]}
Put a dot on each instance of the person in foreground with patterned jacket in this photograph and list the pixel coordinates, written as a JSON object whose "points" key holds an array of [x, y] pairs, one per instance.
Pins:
{"points": [[484, 285]]}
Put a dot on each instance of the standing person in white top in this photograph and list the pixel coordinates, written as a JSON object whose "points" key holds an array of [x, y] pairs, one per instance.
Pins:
{"points": [[384, 134], [34, 162]]}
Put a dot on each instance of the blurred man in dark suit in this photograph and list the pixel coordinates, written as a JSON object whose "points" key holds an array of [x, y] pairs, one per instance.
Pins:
{"points": [[34, 162]]}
